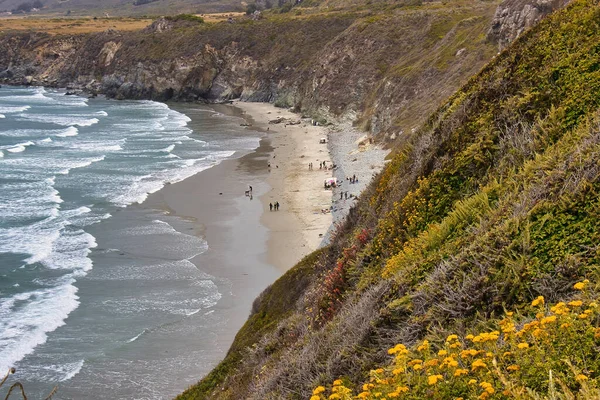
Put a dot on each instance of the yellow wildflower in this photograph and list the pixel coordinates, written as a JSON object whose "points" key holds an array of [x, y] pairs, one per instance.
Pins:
{"points": [[468, 352], [442, 353], [548, 320], [398, 371], [417, 367], [507, 353], [581, 378], [338, 382], [513, 368], [539, 301], [565, 325], [478, 364], [424, 346], [402, 389], [319, 389], [583, 316], [455, 345], [363, 395], [433, 379], [487, 387], [523, 345], [472, 382], [560, 308], [459, 372], [469, 337], [581, 285], [432, 363], [334, 396], [451, 338], [575, 303], [314, 397]]}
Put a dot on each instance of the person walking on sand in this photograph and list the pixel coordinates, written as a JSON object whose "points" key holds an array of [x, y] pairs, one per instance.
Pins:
{"points": [[270, 206], [346, 195], [341, 195], [250, 188]]}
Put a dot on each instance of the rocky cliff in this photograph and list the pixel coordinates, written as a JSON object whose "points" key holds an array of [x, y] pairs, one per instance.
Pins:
{"points": [[514, 16]]}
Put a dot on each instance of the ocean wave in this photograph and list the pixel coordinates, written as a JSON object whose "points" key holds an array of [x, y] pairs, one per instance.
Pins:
{"points": [[63, 120], [27, 318], [103, 113], [70, 131], [2, 116], [17, 148], [13, 109]]}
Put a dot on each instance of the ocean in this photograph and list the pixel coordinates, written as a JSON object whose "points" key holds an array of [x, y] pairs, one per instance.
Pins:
{"points": [[94, 291]]}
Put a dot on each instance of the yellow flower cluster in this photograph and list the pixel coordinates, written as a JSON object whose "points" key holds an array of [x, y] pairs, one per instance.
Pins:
{"points": [[502, 363]]}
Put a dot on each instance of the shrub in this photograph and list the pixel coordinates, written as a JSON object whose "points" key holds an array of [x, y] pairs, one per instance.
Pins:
{"points": [[548, 351]]}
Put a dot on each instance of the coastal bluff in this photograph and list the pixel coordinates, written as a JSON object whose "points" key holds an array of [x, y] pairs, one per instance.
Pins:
{"points": [[384, 70]]}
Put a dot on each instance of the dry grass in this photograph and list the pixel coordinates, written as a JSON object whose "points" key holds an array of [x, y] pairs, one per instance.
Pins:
{"points": [[71, 26]]}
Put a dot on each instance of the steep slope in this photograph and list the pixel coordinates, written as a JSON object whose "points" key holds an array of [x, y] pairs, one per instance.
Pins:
{"points": [[493, 202]]}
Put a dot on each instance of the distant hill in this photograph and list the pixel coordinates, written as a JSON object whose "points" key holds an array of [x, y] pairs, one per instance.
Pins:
{"points": [[121, 7]]}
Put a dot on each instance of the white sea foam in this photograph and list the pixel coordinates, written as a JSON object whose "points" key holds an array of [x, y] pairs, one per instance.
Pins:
{"points": [[17, 148], [70, 131], [103, 113], [26, 318], [2, 116], [13, 109], [63, 120], [69, 370]]}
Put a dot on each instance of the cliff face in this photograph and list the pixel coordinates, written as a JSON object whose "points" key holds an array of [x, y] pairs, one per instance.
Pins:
{"points": [[514, 16], [386, 69]]}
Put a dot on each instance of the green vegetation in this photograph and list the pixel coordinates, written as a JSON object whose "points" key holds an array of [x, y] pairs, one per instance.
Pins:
{"points": [[492, 203], [186, 17]]}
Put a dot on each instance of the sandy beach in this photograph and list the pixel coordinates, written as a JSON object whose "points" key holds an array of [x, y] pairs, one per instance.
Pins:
{"points": [[300, 224], [250, 246]]}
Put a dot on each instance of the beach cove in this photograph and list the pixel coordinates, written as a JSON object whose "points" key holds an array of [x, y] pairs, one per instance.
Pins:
{"points": [[250, 245], [173, 272]]}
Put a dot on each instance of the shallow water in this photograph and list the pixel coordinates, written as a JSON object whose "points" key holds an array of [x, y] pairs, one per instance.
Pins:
{"points": [[95, 296]]}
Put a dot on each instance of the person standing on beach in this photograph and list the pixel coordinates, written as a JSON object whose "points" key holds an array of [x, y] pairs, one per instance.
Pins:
{"points": [[250, 188], [270, 206]]}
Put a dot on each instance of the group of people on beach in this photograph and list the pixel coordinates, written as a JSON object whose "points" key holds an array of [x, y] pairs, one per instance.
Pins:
{"points": [[322, 165], [344, 195], [274, 207], [352, 179]]}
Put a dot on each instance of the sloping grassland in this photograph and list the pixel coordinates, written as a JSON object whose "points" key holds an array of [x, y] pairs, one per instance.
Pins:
{"points": [[491, 203]]}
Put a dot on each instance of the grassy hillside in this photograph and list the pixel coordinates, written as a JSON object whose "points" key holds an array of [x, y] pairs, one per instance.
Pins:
{"points": [[492, 205]]}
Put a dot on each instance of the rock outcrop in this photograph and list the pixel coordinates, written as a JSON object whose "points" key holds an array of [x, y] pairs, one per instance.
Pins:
{"points": [[514, 16]]}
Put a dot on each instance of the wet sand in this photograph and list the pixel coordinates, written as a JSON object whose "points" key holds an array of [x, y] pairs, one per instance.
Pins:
{"points": [[230, 222]]}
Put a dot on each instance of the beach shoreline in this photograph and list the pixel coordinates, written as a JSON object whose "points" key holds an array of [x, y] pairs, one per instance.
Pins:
{"points": [[249, 245]]}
